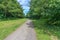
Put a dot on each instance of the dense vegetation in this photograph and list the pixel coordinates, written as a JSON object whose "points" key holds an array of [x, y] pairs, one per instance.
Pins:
{"points": [[10, 8], [46, 32], [47, 15], [49, 9]]}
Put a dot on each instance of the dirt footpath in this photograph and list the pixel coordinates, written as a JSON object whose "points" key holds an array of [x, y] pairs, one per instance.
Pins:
{"points": [[25, 32]]}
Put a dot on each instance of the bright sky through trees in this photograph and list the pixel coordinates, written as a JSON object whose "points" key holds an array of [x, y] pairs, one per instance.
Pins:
{"points": [[25, 5]]}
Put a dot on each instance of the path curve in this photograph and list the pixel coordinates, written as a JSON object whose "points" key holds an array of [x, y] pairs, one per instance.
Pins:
{"points": [[24, 32]]}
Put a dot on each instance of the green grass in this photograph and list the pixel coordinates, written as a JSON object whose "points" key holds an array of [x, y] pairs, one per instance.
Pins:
{"points": [[8, 26], [46, 32]]}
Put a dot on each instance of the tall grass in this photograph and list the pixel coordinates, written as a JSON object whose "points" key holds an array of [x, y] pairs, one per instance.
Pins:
{"points": [[8, 26], [45, 31]]}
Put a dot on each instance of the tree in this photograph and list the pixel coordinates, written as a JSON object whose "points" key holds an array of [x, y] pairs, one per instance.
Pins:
{"points": [[49, 9], [10, 8]]}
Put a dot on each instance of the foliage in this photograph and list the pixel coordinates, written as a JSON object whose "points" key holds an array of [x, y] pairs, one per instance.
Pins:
{"points": [[49, 9], [10, 8], [46, 32]]}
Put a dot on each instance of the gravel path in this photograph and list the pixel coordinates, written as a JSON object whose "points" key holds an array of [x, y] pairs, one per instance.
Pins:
{"points": [[25, 32]]}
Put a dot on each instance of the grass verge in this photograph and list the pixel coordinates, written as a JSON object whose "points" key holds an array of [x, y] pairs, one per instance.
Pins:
{"points": [[8, 26], [46, 32]]}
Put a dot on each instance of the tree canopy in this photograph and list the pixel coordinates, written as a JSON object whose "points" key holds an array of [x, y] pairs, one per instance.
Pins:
{"points": [[49, 9], [10, 8]]}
